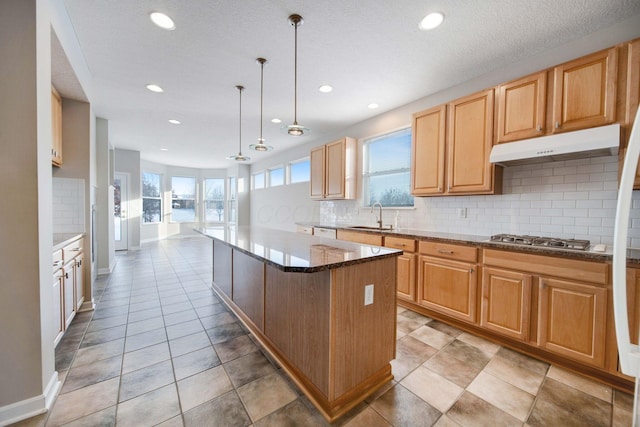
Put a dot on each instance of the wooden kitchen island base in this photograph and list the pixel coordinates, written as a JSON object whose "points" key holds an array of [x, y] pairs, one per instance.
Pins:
{"points": [[312, 318]]}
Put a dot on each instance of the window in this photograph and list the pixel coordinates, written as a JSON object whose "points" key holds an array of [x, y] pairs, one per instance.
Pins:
{"points": [[276, 177], [387, 169], [233, 213], [183, 199], [151, 198], [214, 199], [258, 180], [299, 171]]}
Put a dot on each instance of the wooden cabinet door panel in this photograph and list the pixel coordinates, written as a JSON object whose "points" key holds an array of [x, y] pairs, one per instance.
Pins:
{"points": [[335, 170], [584, 92], [449, 287], [428, 151], [506, 302], [58, 306], [406, 277], [522, 107], [68, 294], [470, 134], [572, 320], [317, 184]]}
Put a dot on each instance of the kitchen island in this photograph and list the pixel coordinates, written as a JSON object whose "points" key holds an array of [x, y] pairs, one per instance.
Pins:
{"points": [[324, 309]]}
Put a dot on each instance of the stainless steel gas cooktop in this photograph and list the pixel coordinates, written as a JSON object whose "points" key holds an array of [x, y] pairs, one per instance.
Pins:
{"points": [[550, 242]]}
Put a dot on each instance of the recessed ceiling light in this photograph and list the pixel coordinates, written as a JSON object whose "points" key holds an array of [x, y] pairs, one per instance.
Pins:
{"points": [[372, 106], [431, 21], [162, 20], [155, 88], [276, 121], [174, 121], [164, 149], [325, 88]]}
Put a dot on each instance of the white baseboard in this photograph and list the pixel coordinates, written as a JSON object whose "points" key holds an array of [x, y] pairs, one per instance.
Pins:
{"points": [[33, 406]]}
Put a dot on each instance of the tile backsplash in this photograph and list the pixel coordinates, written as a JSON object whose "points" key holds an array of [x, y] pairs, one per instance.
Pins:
{"points": [[567, 199], [68, 205]]}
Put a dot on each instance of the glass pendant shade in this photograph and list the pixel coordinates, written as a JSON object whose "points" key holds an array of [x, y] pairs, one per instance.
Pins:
{"points": [[261, 146], [239, 157]]}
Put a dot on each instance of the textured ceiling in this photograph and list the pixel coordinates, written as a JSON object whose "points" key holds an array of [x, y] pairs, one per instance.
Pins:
{"points": [[368, 50]]}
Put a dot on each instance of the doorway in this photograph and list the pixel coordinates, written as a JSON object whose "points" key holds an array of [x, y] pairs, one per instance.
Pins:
{"points": [[120, 209]]}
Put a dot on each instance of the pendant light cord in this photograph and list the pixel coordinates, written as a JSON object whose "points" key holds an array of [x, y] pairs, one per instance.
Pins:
{"points": [[240, 122], [261, 96], [295, 76]]}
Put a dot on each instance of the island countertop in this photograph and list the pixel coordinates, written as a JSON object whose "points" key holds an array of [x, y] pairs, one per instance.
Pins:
{"points": [[295, 252]]}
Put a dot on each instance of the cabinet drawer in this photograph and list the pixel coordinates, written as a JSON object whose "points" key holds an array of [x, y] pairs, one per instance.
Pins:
{"points": [[72, 250], [364, 238], [324, 232], [573, 269], [407, 245], [303, 229], [449, 251], [57, 260]]}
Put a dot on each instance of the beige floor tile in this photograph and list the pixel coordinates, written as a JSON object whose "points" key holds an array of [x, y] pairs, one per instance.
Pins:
{"points": [[410, 353], [144, 357], [227, 410], [248, 368], [84, 401], [92, 373], [434, 389], [432, 337], [367, 418], [524, 379], [400, 407], [234, 348], [487, 347], [581, 383], [295, 413], [472, 411], [194, 362], [202, 387], [503, 395], [173, 422], [104, 418], [189, 343], [145, 380], [408, 325], [98, 352], [265, 395], [149, 409], [445, 421], [454, 370]]}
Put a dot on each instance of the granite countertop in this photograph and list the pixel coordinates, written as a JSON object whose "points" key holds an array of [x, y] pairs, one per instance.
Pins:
{"points": [[296, 252], [61, 240], [633, 255]]}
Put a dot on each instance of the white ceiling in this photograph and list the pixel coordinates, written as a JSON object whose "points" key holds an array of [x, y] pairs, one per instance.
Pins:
{"points": [[368, 50]]}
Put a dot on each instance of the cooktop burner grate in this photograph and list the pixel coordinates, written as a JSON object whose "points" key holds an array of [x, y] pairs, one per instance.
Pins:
{"points": [[550, 242]]}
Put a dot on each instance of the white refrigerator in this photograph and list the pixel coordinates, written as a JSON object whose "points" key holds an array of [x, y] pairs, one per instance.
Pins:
{"points": [[629, 353]]}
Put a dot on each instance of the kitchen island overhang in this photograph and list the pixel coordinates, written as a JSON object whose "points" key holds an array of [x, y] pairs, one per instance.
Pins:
{"points": [[303, 298]]}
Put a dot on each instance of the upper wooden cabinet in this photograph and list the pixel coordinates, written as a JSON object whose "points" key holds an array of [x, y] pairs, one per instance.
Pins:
{"points": [[584, 91], [451, 151], [522, 108], [428, 151], [56, 128], [333, 170]]}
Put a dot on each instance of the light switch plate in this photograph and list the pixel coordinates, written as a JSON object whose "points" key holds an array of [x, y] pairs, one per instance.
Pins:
{"points": [[368, 294]]}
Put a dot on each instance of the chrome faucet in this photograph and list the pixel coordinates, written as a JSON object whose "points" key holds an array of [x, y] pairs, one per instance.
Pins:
{"points": [[373, 205]]}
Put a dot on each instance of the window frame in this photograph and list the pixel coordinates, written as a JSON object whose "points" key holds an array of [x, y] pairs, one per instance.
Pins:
{"points": [[194, 199], [264, 180], [284, 176], [296, 162], [205, 199], [159, 197]]}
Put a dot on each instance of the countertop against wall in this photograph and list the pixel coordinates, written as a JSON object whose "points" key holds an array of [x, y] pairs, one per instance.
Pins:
{"points": [[61, 240]]}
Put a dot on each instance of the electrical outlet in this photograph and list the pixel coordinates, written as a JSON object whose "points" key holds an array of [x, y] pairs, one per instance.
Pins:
{"points": [[462, 212], [368, 294]]}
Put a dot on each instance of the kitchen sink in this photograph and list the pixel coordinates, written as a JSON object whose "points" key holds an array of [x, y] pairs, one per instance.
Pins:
{"points": [[371, 227]]}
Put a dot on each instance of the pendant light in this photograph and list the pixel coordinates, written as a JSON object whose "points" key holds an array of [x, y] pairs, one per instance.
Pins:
{"points": [[295, 129], [261, 146], [239, 157]]}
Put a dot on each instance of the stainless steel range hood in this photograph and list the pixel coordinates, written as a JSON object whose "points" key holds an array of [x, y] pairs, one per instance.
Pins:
{"points": [[594, 142]]}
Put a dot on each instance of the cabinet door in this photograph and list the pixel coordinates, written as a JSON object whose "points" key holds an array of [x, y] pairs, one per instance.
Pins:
{"points": [[406, 277], [522, 107], [584, 92], [428, 151], [335, 170], [68, 294], [364, 238], [58, 308], [470, 141], [633, 93], [506, 302], [633, 303], [79, 280], [317, 173], [56, 128], [572, 320], [449, 287]]}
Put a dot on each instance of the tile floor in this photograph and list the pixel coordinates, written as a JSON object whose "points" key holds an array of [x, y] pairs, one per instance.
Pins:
{"points": [[160, 349]]}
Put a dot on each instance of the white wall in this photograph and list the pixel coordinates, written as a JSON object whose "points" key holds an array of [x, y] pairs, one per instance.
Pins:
{"points": [[128, 161]]}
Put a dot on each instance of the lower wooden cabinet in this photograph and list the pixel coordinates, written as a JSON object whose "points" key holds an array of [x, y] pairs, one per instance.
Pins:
{"points": [[572, 320], [68, 293], [58, 308], [406, 266], [506, 302], [449, 287]]}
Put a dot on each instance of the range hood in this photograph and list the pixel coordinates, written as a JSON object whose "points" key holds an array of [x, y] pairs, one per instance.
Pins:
{"points": [[594, 142]]}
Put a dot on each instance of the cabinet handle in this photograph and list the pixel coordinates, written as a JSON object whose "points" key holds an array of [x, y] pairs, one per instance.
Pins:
{"points": [[471, 271], [66, 275], [444, 251], [539, 129], [557, 125], [57, 263], [439, 189]]}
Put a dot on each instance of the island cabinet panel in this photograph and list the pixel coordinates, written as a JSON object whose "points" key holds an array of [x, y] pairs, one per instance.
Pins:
{"points": [[248, 287], [506, 302], [297, 321], [222, 257], [572, 320]]}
